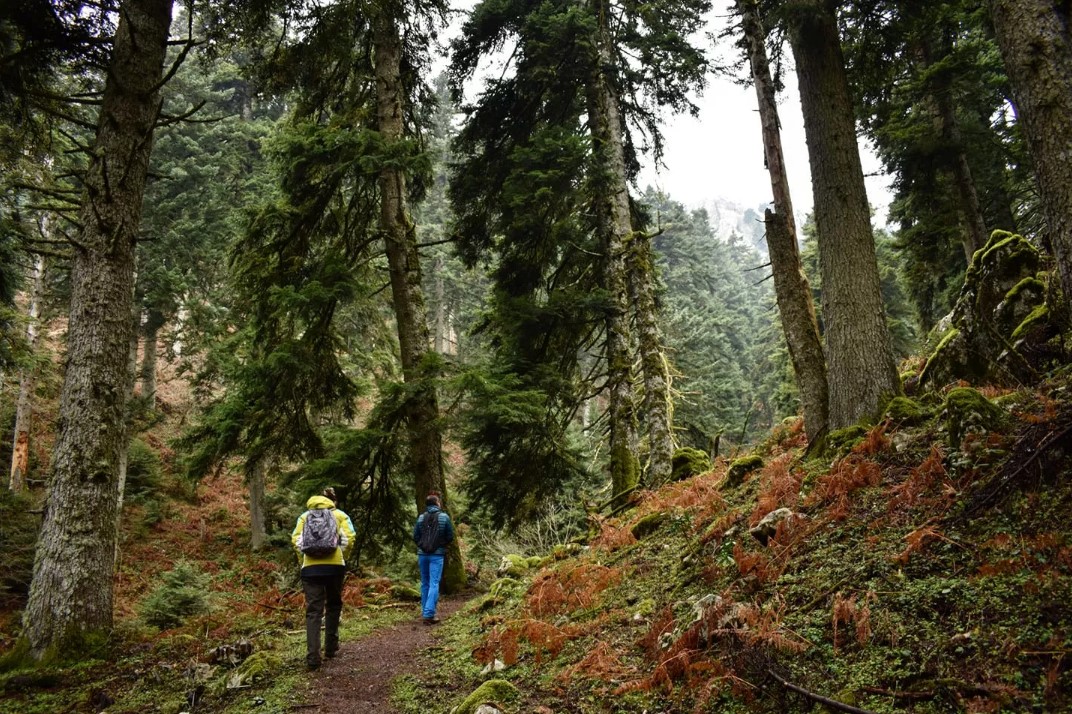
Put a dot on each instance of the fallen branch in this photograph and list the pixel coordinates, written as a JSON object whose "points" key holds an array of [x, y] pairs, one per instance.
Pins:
{"points": [[832, 703]]}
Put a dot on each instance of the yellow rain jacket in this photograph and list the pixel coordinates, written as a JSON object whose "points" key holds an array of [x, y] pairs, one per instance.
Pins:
{"points": [[347, 535]]}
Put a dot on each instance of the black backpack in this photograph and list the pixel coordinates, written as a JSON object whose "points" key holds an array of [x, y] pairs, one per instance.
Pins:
{"points": [[320, 535], [428, 541]]}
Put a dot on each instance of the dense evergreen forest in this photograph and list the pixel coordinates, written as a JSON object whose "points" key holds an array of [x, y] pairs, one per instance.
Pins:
{"points": [[253, 250]]}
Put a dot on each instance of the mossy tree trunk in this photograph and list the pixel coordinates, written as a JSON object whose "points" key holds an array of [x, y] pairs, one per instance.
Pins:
{"points": [[154, 320], [653, 360], [71, 592], [862, 374], [1036, 45], [791, 288], [614, 223], [20, 447], [400, 240]]}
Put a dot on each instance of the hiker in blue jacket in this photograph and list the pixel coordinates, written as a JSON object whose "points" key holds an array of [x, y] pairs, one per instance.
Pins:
{"points": [[432, 538]]}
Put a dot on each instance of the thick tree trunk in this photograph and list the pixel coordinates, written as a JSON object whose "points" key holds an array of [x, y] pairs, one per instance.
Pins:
{"points": [[71, 592], [1036, 45], [440, 307], [128, 388], [151, 330], [255, 480], [653, 362], [20, 448], [611, 205], [400, 241], [862, 373], [974, 224], [791, 289]]}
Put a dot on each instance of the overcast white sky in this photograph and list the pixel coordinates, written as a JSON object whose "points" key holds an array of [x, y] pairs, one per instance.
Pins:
{"points": [[719, 153]]}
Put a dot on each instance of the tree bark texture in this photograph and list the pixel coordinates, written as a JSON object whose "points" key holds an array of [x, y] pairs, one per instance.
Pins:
{"points": [[255, 479], [154, 320], [71, 592], [1036, 45], [971, 210], [791, 288], [20, 447], [653, 360], [615, 226], [128, 388], [862, 373], [400, 240]]}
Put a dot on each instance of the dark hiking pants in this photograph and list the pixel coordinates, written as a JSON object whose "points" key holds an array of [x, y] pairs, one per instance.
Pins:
{"points": [[323, 602]]}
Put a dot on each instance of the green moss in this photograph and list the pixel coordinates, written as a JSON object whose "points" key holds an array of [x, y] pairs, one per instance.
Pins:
{"points": [[493, 691], [1040, 314], [536, 561], [565, 550], [504, 587], [741, 468], [648, 525], [624, 470], [841, 441], [1030, 283], [688, 462], [937, 355], [904, 410], [513, 565], [405, 592], [966, 409]]}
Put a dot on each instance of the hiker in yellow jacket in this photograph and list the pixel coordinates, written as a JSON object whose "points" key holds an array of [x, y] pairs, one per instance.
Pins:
{"points": [[323, 539]]}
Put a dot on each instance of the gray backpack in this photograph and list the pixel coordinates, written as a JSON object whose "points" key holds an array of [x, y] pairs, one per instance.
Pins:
{"points": [[320, 535]]}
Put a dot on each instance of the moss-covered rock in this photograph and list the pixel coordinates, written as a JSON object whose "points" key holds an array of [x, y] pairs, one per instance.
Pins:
{"points": [[648, 525], [1002, 288], [513, 565], [536, 561], [965, 410], [407, 593], [688, 462], [741, 468], [493, 691], [903, 410], [505, 587]]}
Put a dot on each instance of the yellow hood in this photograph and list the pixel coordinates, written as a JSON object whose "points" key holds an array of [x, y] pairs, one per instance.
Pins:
{"points": [[319, 502]]}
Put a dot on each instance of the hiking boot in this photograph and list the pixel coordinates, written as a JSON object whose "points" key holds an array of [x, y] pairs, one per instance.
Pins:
{"points": [[431, 620], [329, 654], [312, 663]]}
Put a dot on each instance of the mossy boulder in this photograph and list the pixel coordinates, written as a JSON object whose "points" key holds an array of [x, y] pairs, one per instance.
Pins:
{"points": [[966, 410], [513, 565], [1002, 288], [648, 525], [903, 410], [406, 593], [493, 691], [505, 587], [741, 468], [688, 462]]}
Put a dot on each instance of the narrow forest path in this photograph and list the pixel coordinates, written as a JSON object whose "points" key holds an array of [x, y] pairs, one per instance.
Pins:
{"points": [[359, 678]]}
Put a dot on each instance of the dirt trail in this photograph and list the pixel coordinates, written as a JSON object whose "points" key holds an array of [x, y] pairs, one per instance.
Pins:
{"points": [[359, 678]]}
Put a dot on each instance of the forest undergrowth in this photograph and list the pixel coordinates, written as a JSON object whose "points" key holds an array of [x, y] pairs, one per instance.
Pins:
{"points": [[923, 564], [926, 567]]}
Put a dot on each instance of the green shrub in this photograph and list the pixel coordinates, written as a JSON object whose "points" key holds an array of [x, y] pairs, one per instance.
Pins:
{"points": [[182, 594], [143, 471]]}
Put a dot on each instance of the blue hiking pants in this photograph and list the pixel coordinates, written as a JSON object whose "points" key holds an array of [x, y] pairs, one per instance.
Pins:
{"points": [[431, 572]]}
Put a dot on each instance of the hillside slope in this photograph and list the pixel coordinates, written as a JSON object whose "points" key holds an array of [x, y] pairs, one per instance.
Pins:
{"points": [[924, 566]]}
